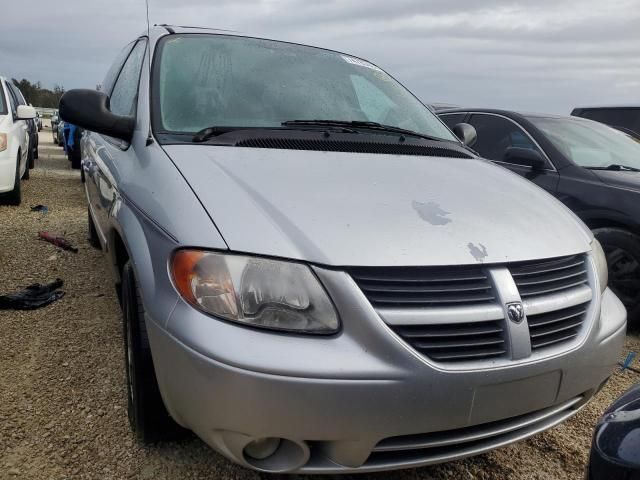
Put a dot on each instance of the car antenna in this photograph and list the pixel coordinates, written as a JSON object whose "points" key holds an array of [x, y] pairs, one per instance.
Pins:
{"points": [[149, 136]]}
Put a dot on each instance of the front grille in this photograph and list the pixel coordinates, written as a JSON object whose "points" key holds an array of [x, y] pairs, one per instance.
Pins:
{"points": [[454, 314], [454, 342], [416, 287], [549, 276], [551, 328]]}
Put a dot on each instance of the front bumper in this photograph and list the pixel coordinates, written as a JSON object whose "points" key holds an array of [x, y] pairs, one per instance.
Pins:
{"points": [[362, 400]]}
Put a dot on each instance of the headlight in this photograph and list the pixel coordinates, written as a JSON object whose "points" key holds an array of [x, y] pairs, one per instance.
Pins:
{"points": [[600, 260], [3, 142], [255, 291]]}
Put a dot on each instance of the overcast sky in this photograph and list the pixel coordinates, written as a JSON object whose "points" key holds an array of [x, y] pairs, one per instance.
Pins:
{"points": [[537, 55]]}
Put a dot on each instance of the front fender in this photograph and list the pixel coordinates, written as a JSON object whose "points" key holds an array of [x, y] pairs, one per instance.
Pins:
{"points": [[148, 248]]}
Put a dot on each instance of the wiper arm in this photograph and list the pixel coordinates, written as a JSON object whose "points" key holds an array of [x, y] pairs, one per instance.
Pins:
{"points": [[206, 133], [616, 167], [360, 124]]}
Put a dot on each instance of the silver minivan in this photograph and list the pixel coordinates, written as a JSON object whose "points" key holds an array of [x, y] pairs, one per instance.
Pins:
{"points": [[316, 274]]}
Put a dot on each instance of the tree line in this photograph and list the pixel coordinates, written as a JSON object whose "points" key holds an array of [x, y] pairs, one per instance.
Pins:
{"points": [[37, 96]]}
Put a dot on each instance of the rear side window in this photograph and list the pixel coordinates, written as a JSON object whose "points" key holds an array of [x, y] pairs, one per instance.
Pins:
{"points": [[616, 117], [125, 91], [452, 119]]}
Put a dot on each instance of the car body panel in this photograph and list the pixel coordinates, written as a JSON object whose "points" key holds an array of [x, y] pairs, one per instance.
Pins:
{"points": [[372, 209], [17, 132]]}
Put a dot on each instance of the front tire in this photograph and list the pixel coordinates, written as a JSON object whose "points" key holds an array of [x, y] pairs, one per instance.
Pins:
{"points": [[148, 416], [622, 249], [94, 240]]}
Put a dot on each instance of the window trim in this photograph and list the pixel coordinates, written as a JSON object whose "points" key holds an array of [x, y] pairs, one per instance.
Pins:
{"points": [[533, 140]]}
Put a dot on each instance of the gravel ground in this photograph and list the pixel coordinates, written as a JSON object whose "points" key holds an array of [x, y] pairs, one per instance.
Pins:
{"points": [[62, 387]]}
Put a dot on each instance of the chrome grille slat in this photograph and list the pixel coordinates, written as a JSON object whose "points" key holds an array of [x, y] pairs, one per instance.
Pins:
{"points": [[456, 342], [554, 317], [555, 329], [530, 292], [470, 342], [414, 288], [413, 299], [552, 341], [448, 332], [549, 276], [474, 354], [552, 278], [552, 328], [536, 268]]}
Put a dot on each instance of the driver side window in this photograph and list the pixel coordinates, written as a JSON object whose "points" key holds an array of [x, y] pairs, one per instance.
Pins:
{"points": [[125, 91], [496, 134]]}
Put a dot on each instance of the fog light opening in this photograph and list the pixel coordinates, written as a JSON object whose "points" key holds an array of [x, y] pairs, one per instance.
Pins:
{"points": [[262, 448], [276, 455]]}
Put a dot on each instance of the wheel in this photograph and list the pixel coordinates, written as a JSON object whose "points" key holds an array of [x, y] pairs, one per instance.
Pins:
{"points": [[75, 160], [148, 416], [94, 241], [623, 256], [14, 197], [31, 160]]}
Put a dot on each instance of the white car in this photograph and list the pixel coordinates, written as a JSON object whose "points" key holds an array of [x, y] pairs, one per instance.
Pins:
{"points": [[14, 141]]}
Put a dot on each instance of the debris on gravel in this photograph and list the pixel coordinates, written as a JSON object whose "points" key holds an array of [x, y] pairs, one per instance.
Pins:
{"points": [[63, 405]]}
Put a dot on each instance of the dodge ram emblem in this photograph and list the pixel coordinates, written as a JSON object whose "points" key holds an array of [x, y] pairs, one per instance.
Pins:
{"points": [[515, 312]]}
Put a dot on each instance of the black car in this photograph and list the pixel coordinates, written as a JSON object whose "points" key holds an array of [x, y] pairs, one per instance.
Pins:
{"points": [[626, 119], [590, 167], [615, 451]]}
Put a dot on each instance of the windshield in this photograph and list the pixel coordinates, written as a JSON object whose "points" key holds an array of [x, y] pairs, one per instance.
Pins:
{"points": [[225, 81], [590, 144]]}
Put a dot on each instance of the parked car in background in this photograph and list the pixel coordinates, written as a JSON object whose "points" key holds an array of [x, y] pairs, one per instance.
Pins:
{"points": [[60, 133], [312, 276], [72, 136], [591, 168], [38, 121], [626, 119], [55, 119], [615, 450], [15, 118]]}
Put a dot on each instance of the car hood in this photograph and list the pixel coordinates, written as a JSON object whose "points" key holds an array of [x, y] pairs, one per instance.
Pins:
{"points": [[624, 179], [369, 209]]}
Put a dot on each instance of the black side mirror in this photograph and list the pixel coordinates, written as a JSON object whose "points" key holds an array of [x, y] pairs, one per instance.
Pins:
{"points": [[89, 109], [525, 157], [466, 133]]}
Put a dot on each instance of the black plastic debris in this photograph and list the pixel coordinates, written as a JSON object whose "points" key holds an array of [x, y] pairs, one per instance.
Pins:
{"points": [[40, 208], [32, 297]]}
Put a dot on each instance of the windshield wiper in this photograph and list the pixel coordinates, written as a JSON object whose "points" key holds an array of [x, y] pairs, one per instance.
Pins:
{"points": [[616, 167], [359, 124], [206, 133]]}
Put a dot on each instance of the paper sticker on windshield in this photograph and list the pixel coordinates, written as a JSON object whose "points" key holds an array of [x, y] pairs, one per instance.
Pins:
{"points": [[360, 63]]}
